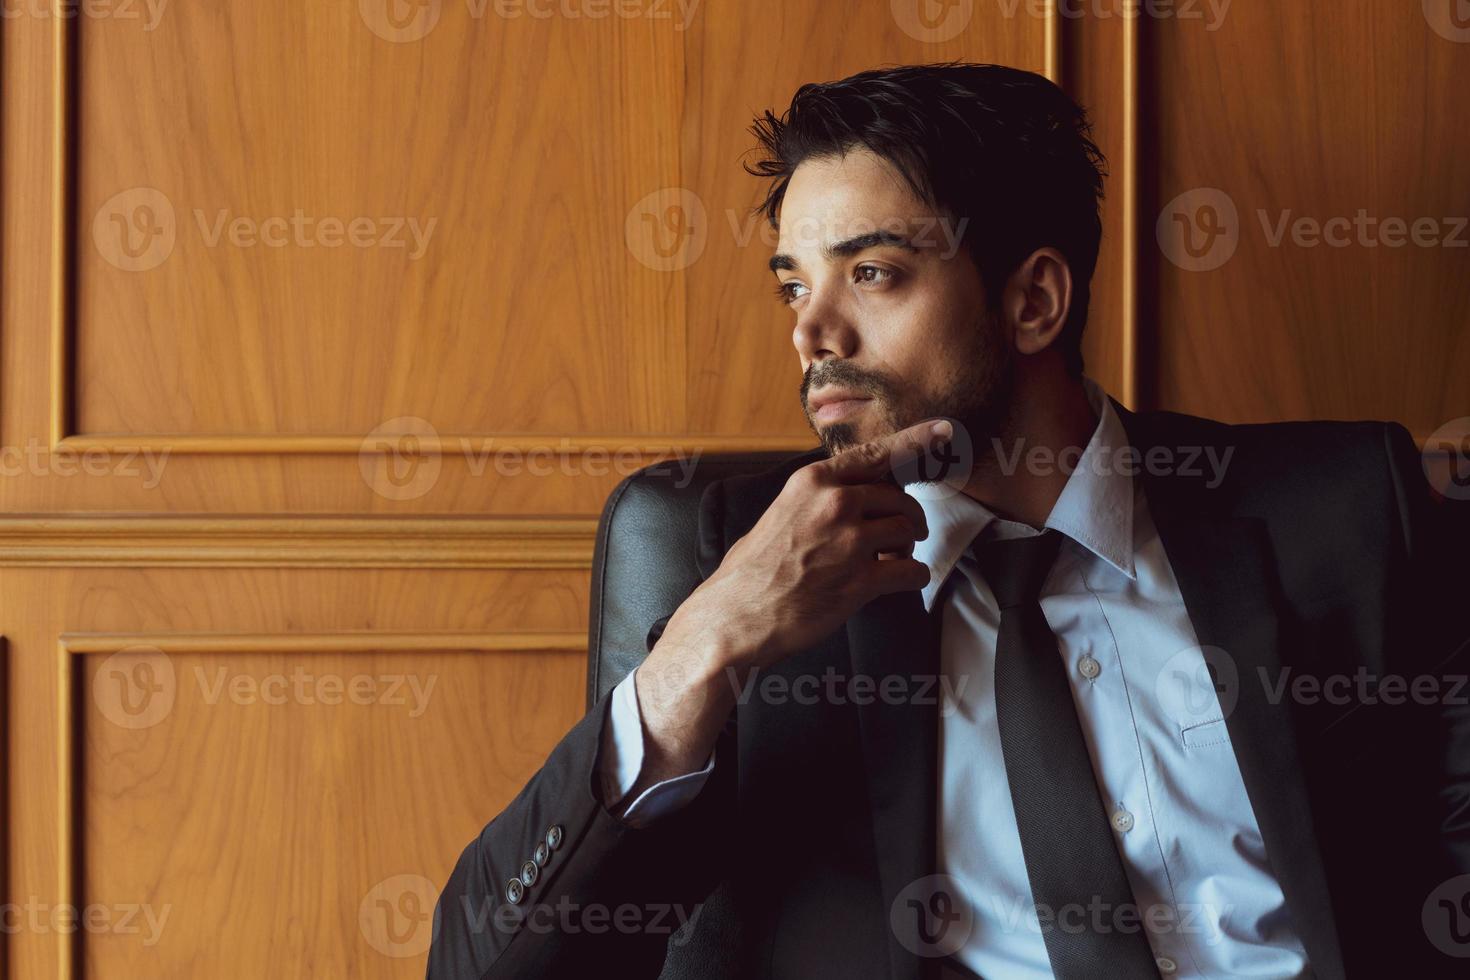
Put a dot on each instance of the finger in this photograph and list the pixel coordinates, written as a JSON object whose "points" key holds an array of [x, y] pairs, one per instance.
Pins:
{"points": [[896, 533], [884, 500], [871, 462], [899, 575]]}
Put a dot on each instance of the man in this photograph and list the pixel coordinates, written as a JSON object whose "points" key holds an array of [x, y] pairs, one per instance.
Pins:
{"points": [[1113, 694]]}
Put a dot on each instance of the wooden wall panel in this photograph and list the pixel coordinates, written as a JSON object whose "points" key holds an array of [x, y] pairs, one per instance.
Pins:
{"points": [[158, 807], [509, 312], [1318, 111], [1100, 70], [265, 829], [323, 491]]}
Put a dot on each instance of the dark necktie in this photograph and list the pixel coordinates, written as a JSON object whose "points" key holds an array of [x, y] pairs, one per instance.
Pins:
{"points": [[1072, 858]]}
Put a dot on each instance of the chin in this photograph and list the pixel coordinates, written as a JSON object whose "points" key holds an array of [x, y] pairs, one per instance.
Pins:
{"points": [[839, 436]]}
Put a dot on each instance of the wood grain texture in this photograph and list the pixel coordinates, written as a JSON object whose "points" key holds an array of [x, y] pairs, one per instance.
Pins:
{"points": [[1315, 111], [316, 806], [296, 542], [508, 311], [227, 773], [343, 460]]}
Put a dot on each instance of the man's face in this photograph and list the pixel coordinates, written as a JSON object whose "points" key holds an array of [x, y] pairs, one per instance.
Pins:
{"points": [[889, 307]]}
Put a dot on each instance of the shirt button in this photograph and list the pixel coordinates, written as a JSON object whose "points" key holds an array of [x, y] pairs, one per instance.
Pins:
{"points": [[514, 891], [1089, 668], [1122, 820], [1166, 965]]}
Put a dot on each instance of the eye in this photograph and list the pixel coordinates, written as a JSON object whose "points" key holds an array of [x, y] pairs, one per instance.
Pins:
{"points": [[872, 275], [786, 291]]}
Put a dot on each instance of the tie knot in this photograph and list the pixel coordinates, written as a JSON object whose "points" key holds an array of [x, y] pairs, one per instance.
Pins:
{"points": [[1016, 568]]}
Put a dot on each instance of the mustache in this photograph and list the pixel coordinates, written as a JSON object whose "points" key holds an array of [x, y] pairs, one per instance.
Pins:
{"points": [[844, 375]]}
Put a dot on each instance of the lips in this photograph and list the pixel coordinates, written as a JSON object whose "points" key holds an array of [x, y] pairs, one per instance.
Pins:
{"points": [[836, 403]]}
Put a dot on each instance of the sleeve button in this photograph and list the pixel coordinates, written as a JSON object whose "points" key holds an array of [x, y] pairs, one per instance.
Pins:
{"points": [[553, 836], [514, 891], [529, 871], [541, 854]]}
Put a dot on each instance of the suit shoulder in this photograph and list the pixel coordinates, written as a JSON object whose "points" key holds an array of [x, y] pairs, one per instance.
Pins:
{"points": [[1304, 447]]}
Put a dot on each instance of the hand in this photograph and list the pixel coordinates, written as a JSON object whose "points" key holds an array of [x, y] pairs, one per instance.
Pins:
{"points": [[840, 534]]}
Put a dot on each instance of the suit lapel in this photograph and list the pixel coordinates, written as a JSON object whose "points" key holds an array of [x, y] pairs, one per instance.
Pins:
{"points": [[894, 636], [1225, 571]]}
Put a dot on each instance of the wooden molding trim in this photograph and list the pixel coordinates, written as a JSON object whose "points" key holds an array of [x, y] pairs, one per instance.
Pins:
{"points": [[1052, 44], [1130, 244], [613, 444], [297, 542], [338, 641], [68, 759], [63, 329]]}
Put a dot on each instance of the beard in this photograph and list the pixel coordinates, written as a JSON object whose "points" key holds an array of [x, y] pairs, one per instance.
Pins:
{"points": [[976, 396]]}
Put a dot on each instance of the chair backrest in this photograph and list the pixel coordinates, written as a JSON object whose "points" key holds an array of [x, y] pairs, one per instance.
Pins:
{"points": [[644, 563]]}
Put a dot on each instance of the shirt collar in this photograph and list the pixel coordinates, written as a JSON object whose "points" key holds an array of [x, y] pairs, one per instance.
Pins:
{"points": [[1095, 508]]}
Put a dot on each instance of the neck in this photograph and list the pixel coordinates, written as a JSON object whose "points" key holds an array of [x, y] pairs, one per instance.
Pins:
{"points": [[1020, 473]]}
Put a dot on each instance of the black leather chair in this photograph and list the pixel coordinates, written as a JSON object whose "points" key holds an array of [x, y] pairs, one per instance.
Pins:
{"points": [[643, 563]]}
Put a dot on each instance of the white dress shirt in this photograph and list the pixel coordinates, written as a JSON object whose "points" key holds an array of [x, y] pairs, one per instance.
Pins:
{"points": [[1147, 704]]}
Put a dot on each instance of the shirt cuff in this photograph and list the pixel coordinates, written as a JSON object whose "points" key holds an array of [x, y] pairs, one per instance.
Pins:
{"points": [[622, 759]]}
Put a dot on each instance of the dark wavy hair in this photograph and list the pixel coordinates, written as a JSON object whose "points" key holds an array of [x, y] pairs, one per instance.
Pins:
{"points": [[1004, 150]]}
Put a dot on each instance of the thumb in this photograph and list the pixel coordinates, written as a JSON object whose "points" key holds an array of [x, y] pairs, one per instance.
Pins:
{"points": [[875, 461]]}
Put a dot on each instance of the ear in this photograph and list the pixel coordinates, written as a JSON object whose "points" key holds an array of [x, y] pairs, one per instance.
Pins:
{"points": [[1037, 299]]}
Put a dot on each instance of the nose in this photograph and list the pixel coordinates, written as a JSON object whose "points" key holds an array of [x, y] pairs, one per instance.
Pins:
{"points": [[823, 329]]}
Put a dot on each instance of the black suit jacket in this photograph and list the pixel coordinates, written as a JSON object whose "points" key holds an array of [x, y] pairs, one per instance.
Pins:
{"points": [[1321, 554]]}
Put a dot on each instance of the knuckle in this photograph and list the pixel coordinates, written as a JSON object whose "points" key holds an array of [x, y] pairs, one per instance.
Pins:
{"points": [[872, 452], [828, 508], [806, 477]]}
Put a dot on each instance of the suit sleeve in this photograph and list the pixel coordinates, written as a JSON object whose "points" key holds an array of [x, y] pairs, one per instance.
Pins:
{"points": [[608, 892], [1433, 547]]}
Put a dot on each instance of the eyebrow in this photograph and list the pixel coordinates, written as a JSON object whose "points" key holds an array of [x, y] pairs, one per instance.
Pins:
{"points": [[848, 247]]}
